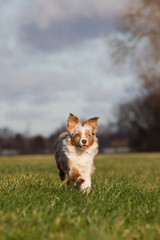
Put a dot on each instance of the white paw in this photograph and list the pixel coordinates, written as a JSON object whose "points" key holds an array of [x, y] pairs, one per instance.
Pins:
{"points": [[86, 187]]}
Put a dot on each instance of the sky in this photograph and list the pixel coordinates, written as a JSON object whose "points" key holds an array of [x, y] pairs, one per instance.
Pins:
{"points": [[55, 59]]}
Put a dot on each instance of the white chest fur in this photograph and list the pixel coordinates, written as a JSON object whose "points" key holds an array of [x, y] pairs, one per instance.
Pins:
{"points": [[81, 159]]}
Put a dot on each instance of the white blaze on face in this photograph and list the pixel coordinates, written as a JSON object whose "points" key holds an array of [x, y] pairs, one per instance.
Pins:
{"points": [[83, 139]]}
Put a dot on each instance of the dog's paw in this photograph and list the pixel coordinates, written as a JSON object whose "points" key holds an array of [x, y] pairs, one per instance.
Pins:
{"points": [[62, 175], [79, 181]]}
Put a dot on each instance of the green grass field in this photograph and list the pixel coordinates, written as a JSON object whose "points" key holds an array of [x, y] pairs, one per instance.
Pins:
{"points": [[124, 202]]}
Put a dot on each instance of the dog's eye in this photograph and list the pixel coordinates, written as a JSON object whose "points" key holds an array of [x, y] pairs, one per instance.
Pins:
{"points": [[77, 135]]}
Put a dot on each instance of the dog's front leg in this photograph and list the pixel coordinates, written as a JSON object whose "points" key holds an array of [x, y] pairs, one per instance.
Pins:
{"points": [[86, 185], [74, 176]]}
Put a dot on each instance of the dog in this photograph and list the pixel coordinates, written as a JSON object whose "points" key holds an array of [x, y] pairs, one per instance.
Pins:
{"points": [[75, 150]]}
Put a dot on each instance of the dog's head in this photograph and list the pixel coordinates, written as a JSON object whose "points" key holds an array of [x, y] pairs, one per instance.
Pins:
{"points": [[82, 135]]}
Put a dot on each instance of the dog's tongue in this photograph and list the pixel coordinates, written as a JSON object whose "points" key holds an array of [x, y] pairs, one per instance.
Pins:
{"points": [[84, 146]]}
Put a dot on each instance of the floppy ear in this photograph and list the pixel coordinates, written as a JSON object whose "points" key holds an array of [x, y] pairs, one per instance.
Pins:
{"points": [[72, 121], [93, 123]]}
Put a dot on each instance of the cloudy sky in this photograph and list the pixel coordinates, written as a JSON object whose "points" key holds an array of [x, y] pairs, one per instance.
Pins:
{"points": [[55, 59]]}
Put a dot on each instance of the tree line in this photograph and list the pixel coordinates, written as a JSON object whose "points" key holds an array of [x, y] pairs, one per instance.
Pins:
{"points": [[138, 120]]}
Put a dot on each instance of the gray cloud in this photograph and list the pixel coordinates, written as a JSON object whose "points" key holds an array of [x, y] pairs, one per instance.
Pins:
{"points": [[44, 12], [55, 25], [36, 87], [110, 94], [26, 114], [50, 61], [99, 95], [61, 34]]}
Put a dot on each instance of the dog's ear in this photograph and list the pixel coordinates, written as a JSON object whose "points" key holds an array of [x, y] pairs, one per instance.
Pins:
{"points": [[93, 123], [72, 121]]}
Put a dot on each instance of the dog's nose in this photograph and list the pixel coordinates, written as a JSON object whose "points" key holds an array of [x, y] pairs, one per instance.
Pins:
{"points": [[84, 141]]}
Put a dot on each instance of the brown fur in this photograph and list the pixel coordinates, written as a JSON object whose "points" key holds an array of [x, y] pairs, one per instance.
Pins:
{"points": [[90, 138], [93, 123], [72, 121], [74, 177], [75, 139]]}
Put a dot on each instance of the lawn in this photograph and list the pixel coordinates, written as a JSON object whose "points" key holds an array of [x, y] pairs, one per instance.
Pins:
{"points": [[124, 202]]}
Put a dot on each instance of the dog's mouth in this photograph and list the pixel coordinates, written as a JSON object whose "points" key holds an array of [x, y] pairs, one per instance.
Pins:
{"points": [[83, 146]]}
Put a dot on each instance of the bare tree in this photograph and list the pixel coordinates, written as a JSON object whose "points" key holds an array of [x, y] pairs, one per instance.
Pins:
{"points": [[141, 46]]}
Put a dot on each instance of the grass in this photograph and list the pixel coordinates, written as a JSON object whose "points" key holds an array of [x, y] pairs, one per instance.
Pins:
{"points": [[124, 202]]}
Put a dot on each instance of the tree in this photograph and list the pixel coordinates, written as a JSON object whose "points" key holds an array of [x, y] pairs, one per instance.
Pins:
{"points": [[38, 144], [141, 46]]}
